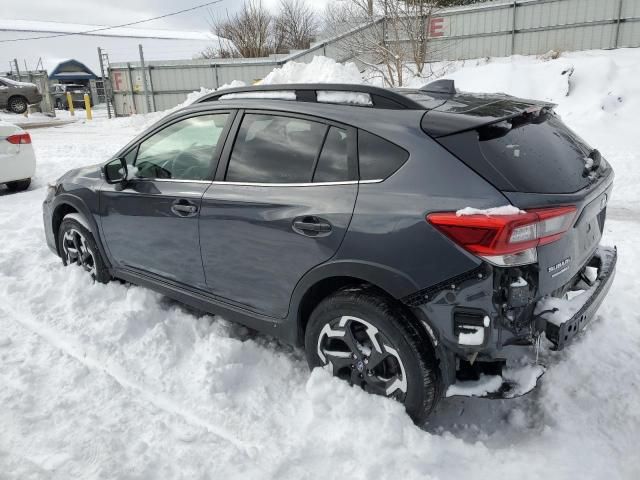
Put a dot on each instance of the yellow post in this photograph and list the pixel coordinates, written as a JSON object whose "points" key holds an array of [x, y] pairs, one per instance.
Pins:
{"points": [[87, 106], [70, 103]]}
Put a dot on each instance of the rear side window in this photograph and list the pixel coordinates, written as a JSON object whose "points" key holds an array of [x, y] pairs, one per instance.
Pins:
{"points": [[275, 149], [538, 155], [333, 164], [378, 158]]}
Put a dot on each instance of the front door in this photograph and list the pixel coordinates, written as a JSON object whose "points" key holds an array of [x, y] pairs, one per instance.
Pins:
{"points": [[151, 225], [282, 202]]}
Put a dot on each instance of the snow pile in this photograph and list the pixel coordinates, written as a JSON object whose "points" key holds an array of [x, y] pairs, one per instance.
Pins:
{"points": [[494, 211], [275, 95], [319, 70], [516, 381], [116, 381], [325, 96], [597, 94]]}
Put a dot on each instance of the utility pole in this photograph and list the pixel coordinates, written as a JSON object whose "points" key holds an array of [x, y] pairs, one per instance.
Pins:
{"points": [[370, 8], [15, 62], [145, 85]]}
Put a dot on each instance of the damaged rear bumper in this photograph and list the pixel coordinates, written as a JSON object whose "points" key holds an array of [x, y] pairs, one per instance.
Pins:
{"points": [[562, 320]]}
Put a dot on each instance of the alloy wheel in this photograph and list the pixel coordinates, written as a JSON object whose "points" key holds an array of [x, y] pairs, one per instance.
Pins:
{"points": [[76, 250], [356, 351], [17, 105]]}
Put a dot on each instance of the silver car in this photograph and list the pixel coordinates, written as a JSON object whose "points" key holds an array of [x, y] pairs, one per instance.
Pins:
{"points": [[17, 96]]}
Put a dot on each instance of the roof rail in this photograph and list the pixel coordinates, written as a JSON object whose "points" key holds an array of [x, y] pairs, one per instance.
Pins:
{"points": [[444, 86], [308, 92]]}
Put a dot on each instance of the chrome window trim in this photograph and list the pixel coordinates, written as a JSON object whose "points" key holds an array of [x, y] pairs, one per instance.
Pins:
{"points": [[257, 184], [175, 180], [297, 184]]}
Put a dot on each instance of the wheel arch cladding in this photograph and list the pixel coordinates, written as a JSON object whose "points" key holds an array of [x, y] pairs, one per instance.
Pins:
{"points": [[61, 211], [327, 286], [327, 278]]}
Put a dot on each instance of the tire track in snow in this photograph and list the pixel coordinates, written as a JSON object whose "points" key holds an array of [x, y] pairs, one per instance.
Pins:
{"points": [[160, 401]]}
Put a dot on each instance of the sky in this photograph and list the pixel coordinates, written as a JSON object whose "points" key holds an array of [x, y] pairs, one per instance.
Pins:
{"points": [[114, 12]]}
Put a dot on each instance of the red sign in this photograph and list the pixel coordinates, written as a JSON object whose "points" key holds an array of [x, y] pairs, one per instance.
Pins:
{"points": [[436, 27], [117, 81]]}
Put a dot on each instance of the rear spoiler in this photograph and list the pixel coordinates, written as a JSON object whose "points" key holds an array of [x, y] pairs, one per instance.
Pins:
{"points": [[448, 118]]}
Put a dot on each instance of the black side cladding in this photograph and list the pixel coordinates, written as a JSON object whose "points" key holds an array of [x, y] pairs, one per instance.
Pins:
{"points": [[425, 295]]}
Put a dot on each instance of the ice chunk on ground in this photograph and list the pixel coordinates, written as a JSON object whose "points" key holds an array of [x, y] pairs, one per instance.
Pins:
{"points": [[520, 380], [476, 388]]}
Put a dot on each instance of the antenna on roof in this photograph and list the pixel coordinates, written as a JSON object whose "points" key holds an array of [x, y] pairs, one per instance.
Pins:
{"points": [[440, 86]]}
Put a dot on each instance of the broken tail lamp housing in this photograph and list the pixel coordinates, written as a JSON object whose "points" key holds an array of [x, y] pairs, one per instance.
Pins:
{"points": [[505, 240]]}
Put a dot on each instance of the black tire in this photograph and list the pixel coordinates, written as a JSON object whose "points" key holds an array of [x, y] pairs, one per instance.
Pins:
{"points": [[399, 343], [19, 185], [72, 235], [18, 104]]}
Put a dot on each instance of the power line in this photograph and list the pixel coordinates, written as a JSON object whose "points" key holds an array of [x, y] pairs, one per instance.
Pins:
{"points": [[101, 29]]}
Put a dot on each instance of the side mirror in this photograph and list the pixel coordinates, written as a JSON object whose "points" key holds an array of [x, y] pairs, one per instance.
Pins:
{"points": [[115, 171]]}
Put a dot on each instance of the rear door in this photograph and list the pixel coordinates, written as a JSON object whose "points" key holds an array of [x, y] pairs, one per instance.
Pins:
{"points": [[282, 201]]}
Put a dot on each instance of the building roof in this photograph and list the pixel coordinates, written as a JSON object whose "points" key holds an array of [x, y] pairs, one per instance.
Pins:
{"points": [[72, 70]]}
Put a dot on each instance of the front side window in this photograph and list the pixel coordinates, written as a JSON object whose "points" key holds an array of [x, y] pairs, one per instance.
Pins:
{"points": [[181, 151], [275, 149]]}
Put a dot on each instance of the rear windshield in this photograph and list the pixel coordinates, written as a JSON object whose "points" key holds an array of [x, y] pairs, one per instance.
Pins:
{"points": [[532, 153]]}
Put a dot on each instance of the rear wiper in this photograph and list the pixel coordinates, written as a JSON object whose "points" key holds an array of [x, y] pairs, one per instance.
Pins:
{"points": [[592, 162]]}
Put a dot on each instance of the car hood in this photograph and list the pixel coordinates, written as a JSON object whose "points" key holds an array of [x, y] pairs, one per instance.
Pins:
{"points": [[89, 173]]}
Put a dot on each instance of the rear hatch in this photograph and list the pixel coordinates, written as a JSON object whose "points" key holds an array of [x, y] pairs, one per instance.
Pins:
{"points": [[536, 161]]}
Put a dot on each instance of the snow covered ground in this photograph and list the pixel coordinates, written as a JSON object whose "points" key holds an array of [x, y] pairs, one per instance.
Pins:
{"points": [[115, 381]]}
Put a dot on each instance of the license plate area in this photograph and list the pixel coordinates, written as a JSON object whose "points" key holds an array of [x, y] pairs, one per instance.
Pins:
{"points": [[590, 232]]}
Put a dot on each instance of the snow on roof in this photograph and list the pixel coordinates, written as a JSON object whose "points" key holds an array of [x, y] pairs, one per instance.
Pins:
{"points": [[59, 27]]}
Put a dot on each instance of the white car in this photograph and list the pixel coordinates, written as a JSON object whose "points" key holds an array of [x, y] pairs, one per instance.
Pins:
{"points": [[17, 158]]}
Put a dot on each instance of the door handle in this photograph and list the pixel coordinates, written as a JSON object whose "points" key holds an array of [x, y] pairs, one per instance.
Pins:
{"points": [[311, 226], [184, 208]]}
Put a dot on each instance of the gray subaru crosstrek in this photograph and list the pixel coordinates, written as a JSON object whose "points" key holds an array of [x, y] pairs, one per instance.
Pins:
{"points": [[410, 240]]}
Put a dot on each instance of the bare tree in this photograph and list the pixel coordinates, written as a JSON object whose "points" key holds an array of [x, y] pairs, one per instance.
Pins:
{"points": [[296, 25], [388, 36], [249, 29]]}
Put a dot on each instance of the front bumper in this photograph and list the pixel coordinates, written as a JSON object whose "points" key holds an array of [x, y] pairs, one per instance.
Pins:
{"points": [[562, 320], [48, 226]]}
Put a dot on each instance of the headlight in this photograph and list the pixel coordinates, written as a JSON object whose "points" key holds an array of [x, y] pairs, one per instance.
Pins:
{"points": [[51, 191]]}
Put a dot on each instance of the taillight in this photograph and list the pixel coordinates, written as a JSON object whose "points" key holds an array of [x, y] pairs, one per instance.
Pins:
{"points": [[19, 138], [505, 240]]}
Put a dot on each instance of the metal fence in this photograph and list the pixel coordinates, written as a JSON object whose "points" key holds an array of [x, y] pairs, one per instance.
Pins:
{"points": [[498, 28]]}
